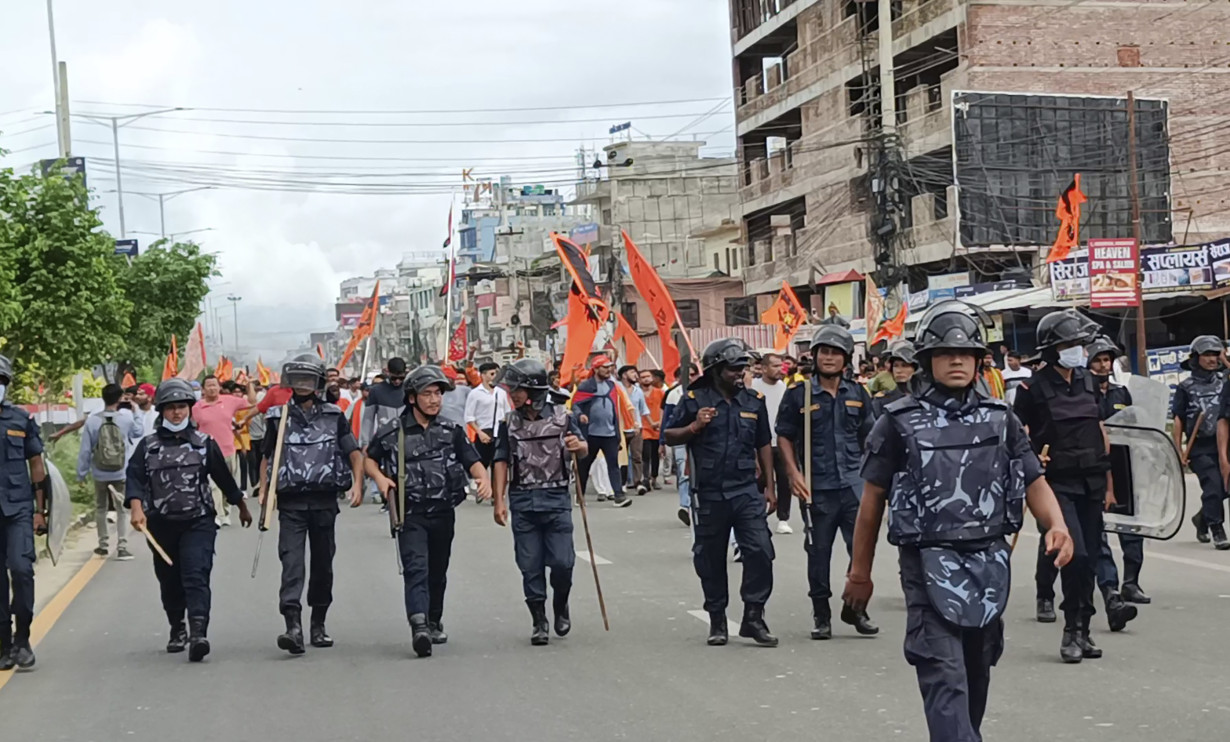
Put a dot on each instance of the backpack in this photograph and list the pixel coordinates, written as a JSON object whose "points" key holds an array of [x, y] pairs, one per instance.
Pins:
{"points": [[109, 448]]}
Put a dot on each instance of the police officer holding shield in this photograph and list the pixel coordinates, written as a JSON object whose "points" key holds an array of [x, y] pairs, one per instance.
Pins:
{"points": [[840, 414], [901, 365], [954, 469], [24, 495], [1059, 406], [726, 429], [1196, 407], [168, 495], [431, 460], [320, 458], [530, 477]]}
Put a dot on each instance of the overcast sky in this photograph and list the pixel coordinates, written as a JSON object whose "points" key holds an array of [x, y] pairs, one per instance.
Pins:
{"points": [[284, 251]]}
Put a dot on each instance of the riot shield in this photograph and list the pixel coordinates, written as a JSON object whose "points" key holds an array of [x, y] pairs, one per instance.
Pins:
{"points": [[60, 511], [1153, 400], [1148, 476]]}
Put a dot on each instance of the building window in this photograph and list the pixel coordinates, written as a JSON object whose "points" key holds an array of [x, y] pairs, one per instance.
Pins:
{"points": [[741, 310], [689, 312], [628, 310]]}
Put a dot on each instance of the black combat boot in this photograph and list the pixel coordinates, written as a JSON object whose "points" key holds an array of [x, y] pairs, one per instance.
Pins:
{"points": [[292, 640], [1046, 610], [717, 629], [436, 629], [22, 654], [559, 603], [318, 636], [1089, 650], [198, 645], [753, 626], [1202, 529], [859, 620], [822, 618], [420, 637], [541, 633], [1118, 612], [1220, 542], [1132, 593], [1069, 649], [179, 638]]}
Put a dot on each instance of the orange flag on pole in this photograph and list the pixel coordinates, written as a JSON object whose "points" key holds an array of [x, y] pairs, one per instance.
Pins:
{"points": [[893, 328], [661, 306], [788, 314], [1068, 211], [634, 347], [224, 370], [263, 374], [367, 323], [194, 355], [170, 367], [586, 310]]}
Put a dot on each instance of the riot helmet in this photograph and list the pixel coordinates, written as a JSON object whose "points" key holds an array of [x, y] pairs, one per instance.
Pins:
{"points": [[1102, 344], [1065, 326], [951, 325], [173, 391], [305, 367], [6, 370], [833, 336], [902, 350], [1206, 344], [530, 375], [723, 352], [425, 376]]}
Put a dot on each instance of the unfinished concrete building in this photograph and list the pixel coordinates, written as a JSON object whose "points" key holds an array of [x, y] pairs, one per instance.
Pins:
{"points": [[808, 81]]}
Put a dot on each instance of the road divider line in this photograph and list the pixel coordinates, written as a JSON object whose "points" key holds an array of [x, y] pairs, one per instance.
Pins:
{"points": [[583, 555], [1159, 555], [699, 616], [55, 607]]}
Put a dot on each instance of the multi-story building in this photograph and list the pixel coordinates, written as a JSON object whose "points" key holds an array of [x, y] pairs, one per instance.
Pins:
{"points": [[977, 173]]}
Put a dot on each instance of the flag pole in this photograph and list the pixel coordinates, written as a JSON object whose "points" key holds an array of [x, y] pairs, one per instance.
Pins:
{"points": [[449, 276]]}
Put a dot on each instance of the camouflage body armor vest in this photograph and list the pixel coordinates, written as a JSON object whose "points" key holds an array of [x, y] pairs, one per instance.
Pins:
{"points": [[179, 476], [537, 450], [312, 459]]}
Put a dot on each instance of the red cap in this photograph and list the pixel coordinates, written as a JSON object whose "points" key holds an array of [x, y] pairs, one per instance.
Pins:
{"points": [[600, 361], [147, 389]]}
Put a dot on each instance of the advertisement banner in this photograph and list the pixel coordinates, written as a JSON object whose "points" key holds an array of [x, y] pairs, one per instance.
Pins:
{"points": [[1070, 277], [1164, 364], [1219, 257], [1113, 273], [1175, 268]]}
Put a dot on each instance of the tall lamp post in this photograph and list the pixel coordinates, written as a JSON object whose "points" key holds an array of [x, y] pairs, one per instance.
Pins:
{"points": [[234, 300]]}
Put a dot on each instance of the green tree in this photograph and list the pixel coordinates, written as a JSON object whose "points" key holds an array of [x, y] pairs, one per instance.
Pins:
{"points": [[61, 307], [166, 285]]}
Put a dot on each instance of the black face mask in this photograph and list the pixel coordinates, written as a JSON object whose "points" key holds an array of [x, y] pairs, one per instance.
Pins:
{"points": [[301, 398]]}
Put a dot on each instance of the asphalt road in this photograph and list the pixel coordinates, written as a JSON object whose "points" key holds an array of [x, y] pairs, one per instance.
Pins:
{"points": [[103, 675]]}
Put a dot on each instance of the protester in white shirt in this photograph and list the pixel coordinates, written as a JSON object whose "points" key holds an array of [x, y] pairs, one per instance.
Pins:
{"points": [[486, 407], [773, 387], [1014, 375]]}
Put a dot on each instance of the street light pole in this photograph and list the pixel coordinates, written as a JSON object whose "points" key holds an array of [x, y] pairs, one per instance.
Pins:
{"points": [[234, 300], [55, 78]]}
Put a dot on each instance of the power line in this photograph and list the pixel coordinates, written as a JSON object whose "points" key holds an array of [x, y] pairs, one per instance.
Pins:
{"points": [[395, 124], [402, 112], [228, 135]]}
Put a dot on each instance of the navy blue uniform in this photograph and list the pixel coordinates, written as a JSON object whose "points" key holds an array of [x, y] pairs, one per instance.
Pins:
{"points": [[726, 495], [437, 459], [21, 443], [538, 497], [954, 627], [838, 427], [169, 474]]}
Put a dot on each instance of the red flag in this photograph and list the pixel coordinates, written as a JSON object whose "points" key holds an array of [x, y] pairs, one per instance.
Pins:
{"points": [[457, 345], [661, 306], [893, 328], [1068, 212], [170, 367], [788, 314], [634, 347]]}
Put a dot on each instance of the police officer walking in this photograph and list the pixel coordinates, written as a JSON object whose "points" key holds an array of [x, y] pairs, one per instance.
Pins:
{"points": [[840, 416], [726, 429], [24, 495], [168, 494], [530, 478], [320, 458], [1196, 409], [901, 365], [1059, 406], [958, 466], [427, 458]]}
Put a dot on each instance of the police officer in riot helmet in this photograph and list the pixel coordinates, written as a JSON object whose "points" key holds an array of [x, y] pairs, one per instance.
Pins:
{"points": [[902, 365], [840, 415], [25, 492], [726, 429], [168, 494], [432, 459], [1059, 406], [531, 470], [1197, 408], [319, 458], [954, 501]]}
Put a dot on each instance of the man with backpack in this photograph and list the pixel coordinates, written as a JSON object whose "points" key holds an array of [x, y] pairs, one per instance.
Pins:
{"points": [[107, 438]]}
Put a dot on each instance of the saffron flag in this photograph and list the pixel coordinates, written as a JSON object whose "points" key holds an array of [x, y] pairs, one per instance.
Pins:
{"points": [[788, 314], [893, 328], [194, 355], [1068, 212], [457, 345], [447, 288], [367, 323], [634, 347], [224, 369], [661, 306], [320, 351], [129, 380], [586, 310], [263, 374], [170, 367], [873, 309]]}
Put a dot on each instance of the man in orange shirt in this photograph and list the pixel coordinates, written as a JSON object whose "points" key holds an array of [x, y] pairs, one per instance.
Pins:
{"points": [[652, 385]]}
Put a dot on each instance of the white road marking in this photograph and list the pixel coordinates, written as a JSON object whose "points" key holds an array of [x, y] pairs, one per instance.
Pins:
{"points": [[584, 555], [699, 615], [1157, 555]]}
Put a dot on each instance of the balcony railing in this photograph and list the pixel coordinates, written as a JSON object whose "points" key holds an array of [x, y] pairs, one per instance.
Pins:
{"points": [[751, 14]]}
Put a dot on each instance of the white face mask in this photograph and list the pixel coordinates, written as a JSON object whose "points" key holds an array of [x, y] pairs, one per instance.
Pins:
{"points": [[175, 427], [1074, 357]]}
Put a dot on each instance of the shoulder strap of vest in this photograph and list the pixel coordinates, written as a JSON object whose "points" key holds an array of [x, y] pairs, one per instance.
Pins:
{"points": [[904, 404], [1091, 384]]}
